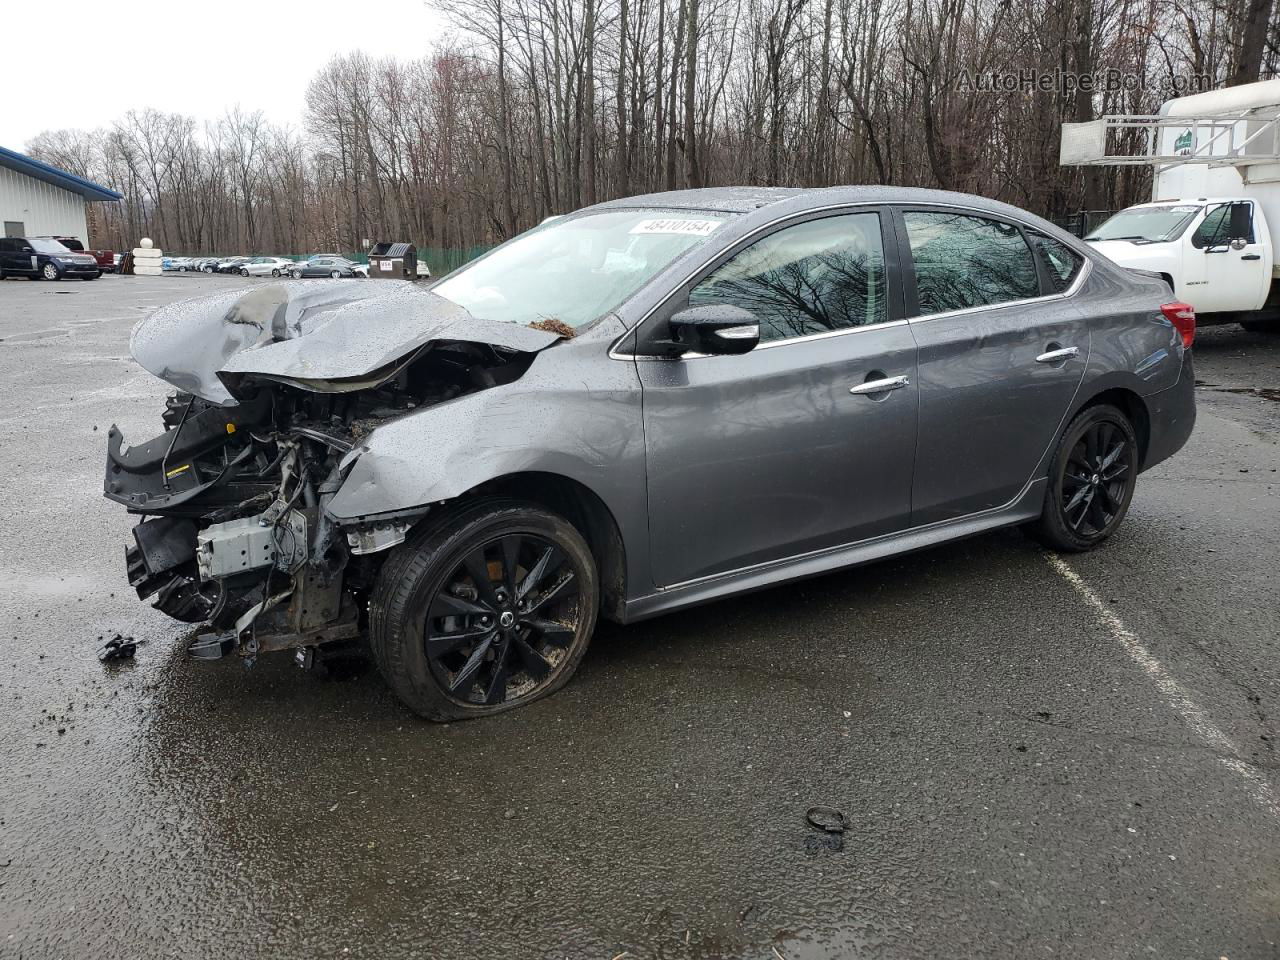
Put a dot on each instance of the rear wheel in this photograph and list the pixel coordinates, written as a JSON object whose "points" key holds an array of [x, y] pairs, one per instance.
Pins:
{"points": [[275, 272], [244, 272], [485, 611], [335, 274], [1091, 481]]}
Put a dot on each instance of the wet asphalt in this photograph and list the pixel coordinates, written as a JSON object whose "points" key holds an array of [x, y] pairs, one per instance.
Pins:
{"points": [[1017, 780]]}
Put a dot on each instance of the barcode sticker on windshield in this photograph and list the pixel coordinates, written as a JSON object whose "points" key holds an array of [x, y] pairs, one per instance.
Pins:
{"points": [[691, 228]]}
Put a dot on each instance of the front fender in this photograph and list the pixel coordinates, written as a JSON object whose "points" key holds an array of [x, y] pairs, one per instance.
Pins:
{"points": [[575, 413]]}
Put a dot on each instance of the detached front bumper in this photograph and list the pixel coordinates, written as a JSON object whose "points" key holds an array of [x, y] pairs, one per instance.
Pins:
{"points": [[235, 531]]}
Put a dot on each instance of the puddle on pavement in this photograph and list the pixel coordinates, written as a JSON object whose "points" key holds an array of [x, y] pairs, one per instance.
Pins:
{"points": [[33, 335], [1264, 393]]}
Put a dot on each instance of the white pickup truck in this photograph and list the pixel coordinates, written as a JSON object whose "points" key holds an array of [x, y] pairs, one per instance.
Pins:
{"points": [[1216, 253], [1211, 227]]}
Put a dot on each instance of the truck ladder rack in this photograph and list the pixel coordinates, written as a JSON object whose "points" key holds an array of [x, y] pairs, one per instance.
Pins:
{"points": [[1236, 140]]}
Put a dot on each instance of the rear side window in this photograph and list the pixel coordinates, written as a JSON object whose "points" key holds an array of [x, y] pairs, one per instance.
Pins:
{"points": [[815, 277], [1061, 264], [965, 261]]}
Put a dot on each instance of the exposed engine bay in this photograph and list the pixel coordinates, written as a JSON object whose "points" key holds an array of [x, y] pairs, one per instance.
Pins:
{"points": [[234, 491]]}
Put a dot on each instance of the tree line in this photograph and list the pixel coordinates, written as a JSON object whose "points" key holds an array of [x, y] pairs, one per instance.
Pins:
{"points": [[530, 108]]}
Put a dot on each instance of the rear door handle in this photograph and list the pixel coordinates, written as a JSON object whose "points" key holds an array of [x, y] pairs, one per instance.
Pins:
{"points": [[880, 386], [1062, 353]]}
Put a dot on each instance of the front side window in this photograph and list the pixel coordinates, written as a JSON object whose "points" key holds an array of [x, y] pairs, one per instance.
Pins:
{"points": [[1061, 264], [1222, 224], [815, 277], [576, 269], [966, 261]]}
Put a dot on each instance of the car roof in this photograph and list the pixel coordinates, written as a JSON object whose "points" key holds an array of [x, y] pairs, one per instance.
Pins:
{"points": [[790, 200]]}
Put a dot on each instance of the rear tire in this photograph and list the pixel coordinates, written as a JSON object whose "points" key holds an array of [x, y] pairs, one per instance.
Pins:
{"points": [[1091, 481], [335, 274], [483, 611], [244, 272]]}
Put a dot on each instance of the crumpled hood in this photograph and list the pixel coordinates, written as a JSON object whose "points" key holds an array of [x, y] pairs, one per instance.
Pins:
{"points": [[324, 335]]}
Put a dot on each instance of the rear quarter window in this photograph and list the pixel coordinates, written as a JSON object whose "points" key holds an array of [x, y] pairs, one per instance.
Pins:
{"points": [[1061, 264]]}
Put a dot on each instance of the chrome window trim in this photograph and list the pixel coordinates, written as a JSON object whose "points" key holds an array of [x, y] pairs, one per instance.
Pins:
{"points": [[1071, 291], [770, 344]]}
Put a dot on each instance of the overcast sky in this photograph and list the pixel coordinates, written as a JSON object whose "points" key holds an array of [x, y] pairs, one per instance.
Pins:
{"points": [[94, 60]]}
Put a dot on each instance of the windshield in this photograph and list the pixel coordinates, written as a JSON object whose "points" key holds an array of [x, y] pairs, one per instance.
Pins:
{"points": [[1152, 224], [575, 270], [41, 245]]}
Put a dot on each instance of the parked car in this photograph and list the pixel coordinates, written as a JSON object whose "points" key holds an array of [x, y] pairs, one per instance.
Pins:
{"points": [[231, 264], [43, 258], [266, 267], [334, 267], [648, 404], [106, 259], [359, 269]]}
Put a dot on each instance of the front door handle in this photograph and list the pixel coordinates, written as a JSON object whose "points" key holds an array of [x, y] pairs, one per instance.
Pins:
{"points": [[1062, 353], [1252, 256], [880, 386]]}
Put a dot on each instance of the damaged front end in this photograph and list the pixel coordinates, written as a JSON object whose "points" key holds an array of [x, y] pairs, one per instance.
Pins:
{"points": [[278, 389]]}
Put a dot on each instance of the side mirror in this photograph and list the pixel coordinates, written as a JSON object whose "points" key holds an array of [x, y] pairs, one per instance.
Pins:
{"points": [[717, 328], [27, 250], [1239, 243]]}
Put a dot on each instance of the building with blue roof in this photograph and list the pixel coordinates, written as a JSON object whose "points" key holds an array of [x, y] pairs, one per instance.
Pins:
{"points": [[37, 200]]}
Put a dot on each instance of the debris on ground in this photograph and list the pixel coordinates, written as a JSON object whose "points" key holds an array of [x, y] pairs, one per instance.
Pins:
{"points": [[831, 823], [118, 648]]}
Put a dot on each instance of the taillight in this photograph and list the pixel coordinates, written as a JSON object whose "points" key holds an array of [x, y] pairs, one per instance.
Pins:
{"points": [[1183, 317]]}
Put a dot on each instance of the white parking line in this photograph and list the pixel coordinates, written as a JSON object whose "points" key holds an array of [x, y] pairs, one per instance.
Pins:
{"points": [[1192, 713]]}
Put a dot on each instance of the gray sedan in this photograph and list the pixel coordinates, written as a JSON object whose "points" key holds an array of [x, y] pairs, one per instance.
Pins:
{"points": [[648, 404], [334, 267]]}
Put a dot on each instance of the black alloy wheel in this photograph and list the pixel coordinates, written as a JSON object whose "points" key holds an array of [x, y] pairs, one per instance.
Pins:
{"points": [[1091, 481], [485, 610], [502, 621]]}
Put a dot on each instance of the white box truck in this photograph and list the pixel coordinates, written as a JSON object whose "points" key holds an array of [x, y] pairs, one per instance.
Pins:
{"points": [[1212, 227]]}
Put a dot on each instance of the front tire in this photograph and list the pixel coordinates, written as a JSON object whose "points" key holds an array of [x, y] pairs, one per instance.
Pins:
{"points": [[1091, 481], [50, 272], [244, 272], [484, 611], [297, 274], [275, 272]]}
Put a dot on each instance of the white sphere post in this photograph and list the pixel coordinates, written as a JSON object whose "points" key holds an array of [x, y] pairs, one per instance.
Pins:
{"points": [[146, 259]]}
